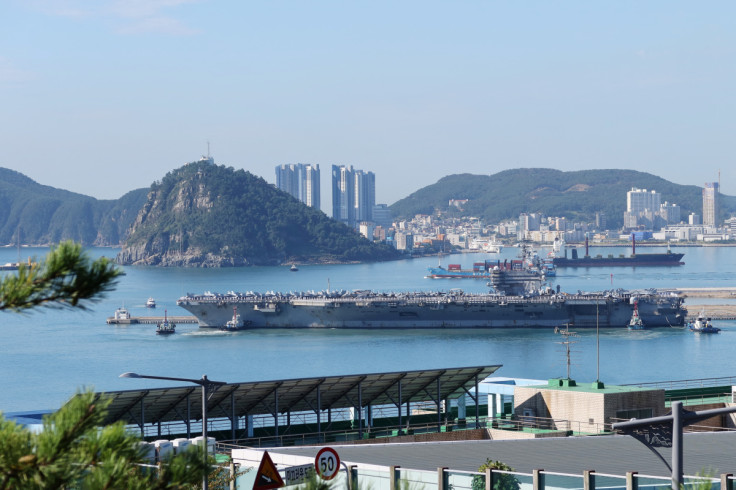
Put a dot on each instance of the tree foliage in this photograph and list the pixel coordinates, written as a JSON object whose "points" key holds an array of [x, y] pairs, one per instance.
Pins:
{"points": [[501, 481], [67, 277], [74, 450], [576, 195]]}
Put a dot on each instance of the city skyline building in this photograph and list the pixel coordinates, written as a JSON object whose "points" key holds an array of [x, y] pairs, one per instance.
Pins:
{"points": [[301, 180], [710, 203], [343, 194], [353, 195], [310, 186], [365, 195], [640, 200]]}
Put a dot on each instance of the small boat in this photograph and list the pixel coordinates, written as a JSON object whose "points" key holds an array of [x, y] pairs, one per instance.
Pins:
{"points": [[166, 327], [293, 268], [234, 323], [703, 325], [636, 323], [151, 303]]}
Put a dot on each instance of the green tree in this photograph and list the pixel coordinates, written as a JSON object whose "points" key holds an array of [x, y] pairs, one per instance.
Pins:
{"points": [[501, 481], [67, 278], [74, 449]]}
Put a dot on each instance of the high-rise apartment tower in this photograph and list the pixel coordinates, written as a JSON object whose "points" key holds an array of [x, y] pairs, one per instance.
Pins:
{"points": [[353, 194], [301, 180], [710, 204]]}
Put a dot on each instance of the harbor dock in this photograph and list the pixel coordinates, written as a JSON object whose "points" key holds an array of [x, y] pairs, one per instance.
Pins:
{"points": [[153, 320]]}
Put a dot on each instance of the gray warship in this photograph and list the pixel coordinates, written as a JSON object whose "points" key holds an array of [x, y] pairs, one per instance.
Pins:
{"points": [[517, 300]]}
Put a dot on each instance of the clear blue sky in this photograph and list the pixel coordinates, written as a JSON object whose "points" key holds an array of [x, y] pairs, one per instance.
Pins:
{"points": [[102, 97]]}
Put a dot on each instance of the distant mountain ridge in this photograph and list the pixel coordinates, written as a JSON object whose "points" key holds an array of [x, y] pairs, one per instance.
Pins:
{"points": [[577, 195], [46, 215], [207, 215]]}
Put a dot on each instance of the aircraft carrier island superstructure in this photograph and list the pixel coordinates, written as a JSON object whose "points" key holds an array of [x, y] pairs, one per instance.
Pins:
{"points": [[454, 309]]}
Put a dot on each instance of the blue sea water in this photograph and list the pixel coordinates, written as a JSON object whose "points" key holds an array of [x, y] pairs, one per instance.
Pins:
{"points": [[47, 355]]}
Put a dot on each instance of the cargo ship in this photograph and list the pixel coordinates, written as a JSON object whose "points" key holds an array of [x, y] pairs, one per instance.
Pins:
{"points": [[517, 301], [527, 261], [646, 259]]}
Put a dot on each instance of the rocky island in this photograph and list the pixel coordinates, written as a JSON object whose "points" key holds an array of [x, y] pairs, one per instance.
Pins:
{"points": [[208, 215]]}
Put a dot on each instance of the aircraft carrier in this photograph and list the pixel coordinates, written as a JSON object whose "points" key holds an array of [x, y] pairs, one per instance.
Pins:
{"points": [[454, 309]]}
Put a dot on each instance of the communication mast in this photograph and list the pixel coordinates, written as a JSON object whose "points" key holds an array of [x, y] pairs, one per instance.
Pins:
{"points": [[568, 335]]}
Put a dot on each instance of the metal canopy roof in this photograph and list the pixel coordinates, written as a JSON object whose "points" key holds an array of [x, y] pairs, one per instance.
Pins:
{"points": [[292, 395]]}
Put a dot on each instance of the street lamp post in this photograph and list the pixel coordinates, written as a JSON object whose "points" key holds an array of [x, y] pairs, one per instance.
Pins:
{"points": [[206, 385]]}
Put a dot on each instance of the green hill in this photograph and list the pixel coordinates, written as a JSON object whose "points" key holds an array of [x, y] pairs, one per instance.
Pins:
{"points": [[576, 195], [46, 215], [208, 215]]}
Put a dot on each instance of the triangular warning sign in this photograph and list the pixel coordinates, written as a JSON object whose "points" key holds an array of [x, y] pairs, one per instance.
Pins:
{"points": [[267, 476]]}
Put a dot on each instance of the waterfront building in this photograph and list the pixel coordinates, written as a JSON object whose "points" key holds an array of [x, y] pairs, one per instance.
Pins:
{"points": [[644, 209], [600, 221], [730, 225], [711, 203], [670, 212], [528, 222], [301, 181], [694, 219]]}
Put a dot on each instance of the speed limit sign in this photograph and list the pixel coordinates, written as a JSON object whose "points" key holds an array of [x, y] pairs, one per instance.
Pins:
{"points": [[327, 463]]}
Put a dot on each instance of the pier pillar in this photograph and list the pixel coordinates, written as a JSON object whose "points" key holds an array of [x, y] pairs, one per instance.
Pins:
{"points": [[461, 408]]}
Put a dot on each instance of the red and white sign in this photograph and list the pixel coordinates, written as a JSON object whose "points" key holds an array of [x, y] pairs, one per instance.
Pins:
{"points": [[327, 463]]}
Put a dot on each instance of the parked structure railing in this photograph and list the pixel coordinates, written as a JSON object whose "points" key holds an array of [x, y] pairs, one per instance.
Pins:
{"points": [[395, 478]]}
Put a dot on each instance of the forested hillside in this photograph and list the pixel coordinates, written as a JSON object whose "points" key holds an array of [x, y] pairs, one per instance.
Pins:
{"points": [[577, 195], [208, 215], [45, 215]]}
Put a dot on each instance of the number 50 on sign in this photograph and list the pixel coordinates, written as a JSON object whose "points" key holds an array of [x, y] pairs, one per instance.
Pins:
{"points": [[327, 463]]}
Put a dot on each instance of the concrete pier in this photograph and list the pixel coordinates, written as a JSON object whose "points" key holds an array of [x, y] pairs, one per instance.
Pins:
{"points": [[154, 320]]}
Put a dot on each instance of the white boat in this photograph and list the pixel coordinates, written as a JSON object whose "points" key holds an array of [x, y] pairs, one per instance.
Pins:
{"points": [[293, 268], [702, 324], [122, 314], [151, 303]]}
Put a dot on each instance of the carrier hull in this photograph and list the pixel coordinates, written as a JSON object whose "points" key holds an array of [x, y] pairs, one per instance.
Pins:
{"points": [[417, 310]]}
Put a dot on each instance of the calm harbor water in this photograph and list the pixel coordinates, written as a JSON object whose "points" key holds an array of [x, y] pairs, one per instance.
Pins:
{"points": [[48, 354]]}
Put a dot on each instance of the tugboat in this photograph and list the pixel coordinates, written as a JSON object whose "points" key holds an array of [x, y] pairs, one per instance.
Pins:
{"points": [[635, 323], [165, 328], [151, 303], [234, 323], [703, 325]]}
